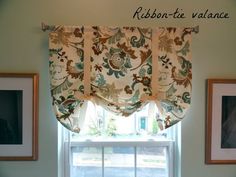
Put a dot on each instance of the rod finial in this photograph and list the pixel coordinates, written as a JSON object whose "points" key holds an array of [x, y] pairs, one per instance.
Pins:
{"points": [[196, 29], [44, 27]]}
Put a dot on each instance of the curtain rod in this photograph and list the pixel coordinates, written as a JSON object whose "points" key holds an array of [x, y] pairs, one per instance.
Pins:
{"points": [[46, 27]]}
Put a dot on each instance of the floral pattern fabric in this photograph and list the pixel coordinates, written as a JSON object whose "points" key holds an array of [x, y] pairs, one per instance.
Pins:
{"points": [[120, 71]]}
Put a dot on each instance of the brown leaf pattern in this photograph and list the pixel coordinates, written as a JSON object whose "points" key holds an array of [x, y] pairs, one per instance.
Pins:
{"points": [[165, 43], [127, 50], [61, 37]]}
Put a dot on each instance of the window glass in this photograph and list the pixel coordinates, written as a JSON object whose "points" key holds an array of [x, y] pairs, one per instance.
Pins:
{"points": [[119, 162], [152, 161], [86, 161]]}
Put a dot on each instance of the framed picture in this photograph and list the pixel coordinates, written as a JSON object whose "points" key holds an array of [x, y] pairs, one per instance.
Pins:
{"points": [[221, 122], [18, 116]]}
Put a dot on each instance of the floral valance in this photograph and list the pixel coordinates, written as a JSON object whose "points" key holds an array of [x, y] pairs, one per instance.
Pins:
{"points": [[120, 68]]}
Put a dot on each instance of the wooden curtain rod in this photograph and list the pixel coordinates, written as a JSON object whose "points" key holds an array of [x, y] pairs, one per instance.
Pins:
{"points": [[46, 27]]}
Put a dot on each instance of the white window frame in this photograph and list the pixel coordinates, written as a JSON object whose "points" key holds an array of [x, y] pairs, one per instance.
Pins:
{"points": [[172, 145]]}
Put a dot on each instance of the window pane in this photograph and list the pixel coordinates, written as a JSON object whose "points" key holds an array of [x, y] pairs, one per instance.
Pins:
{"points": [[86, 162], [119, 162], [151, 162]]}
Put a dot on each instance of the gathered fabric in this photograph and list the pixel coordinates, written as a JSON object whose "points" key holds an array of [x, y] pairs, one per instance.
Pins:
{"points": [[121, 69]]}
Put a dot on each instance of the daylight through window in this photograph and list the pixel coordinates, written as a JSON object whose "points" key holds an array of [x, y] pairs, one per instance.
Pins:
{"points": [[111, 146]]}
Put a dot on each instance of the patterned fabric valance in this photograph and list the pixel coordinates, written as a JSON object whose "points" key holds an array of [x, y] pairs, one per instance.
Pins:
{"points": [[121, 69]]}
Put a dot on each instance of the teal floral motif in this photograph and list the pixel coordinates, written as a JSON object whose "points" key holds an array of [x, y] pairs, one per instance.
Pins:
{"points": [[171, 91], [57, 89], [100, 80], [75, 70], [66, 106], [185, 49], [117, 62], [171, 106], [186, 66], [54, 51], [135, 42], [116, 38], [184, 75], [134, 98], [142, 72], [80, 65], [186, 97]]}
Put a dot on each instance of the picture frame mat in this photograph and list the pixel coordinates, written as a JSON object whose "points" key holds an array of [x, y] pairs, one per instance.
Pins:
{"points": [[25, 84], [219, 90]]}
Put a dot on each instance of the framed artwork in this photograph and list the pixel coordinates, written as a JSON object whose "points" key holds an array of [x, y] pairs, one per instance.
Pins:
{"points": [[221, 121], [18, 116]]}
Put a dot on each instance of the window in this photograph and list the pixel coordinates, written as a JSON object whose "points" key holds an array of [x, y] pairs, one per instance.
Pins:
{"points": [[111, 146]]}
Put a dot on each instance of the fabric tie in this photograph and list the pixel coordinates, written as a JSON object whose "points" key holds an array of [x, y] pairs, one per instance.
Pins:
{"points": [[156, 95], [87, 55]]}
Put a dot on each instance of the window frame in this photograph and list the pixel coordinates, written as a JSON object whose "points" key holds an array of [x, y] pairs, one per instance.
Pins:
{"points": [[172, 143]]}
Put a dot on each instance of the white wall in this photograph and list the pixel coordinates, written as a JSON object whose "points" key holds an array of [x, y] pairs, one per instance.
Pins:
{"points": [[23, 48]]}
